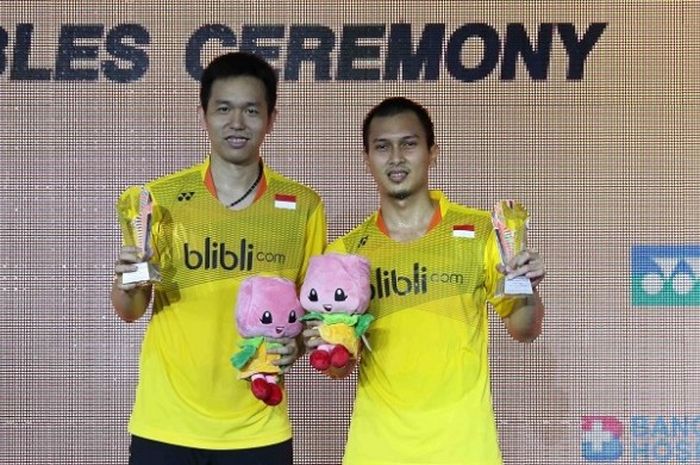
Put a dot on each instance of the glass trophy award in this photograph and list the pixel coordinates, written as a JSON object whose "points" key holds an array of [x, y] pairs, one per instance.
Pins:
{"points": [[146, 271], [510, 220]]}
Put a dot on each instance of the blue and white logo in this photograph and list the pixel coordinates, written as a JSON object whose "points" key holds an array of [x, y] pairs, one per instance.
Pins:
{"points": [[601, 438], [665, 275], [641, 439]]}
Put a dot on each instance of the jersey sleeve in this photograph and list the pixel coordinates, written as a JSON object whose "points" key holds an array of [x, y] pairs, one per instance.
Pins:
{"points": [[316, 238], [337, 246], [504, 306]]}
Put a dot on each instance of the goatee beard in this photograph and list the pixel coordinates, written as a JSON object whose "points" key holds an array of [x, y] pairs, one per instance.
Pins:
{"points": [[400, 195]]}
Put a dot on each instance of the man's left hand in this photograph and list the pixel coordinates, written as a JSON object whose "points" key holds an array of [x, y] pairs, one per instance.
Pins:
{"points": [[289, 352], [527, 263]]}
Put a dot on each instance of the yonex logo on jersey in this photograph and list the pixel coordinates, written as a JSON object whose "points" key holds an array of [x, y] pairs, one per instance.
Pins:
{"points": [[185, 196], [215, 255]]}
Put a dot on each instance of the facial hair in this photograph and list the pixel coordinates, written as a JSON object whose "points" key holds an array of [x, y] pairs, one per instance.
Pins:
{"points": [[400, 195]]}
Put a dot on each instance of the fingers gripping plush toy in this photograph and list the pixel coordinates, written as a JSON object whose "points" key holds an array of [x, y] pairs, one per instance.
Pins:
{"points": [[266, 308], [336, 291]]}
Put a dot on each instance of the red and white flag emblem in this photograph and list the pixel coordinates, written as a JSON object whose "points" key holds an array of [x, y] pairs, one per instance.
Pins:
{"points": [[287, 202], [463, 230]]}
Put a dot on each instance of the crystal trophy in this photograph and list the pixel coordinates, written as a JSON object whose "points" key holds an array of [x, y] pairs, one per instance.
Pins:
{"points": [[510, 220], [146, 271]]}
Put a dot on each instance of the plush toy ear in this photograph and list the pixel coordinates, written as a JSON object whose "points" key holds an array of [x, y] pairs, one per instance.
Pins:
{"points": [[315, 265], [245, 293], [358, 269], [243, 300], [313, 275]]}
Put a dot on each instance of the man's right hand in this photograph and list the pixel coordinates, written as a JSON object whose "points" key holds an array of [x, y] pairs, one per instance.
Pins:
{"points": [[312, 339], [129, 256], [131, 300], [312, 336]]}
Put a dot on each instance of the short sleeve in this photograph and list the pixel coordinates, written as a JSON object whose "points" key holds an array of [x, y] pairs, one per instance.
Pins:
{"points": [[316, 237], [337, 246]]}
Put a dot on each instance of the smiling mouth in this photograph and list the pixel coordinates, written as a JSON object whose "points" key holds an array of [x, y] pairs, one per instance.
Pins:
{"points": [[327, 307], [236, 141], [279, 329], [397, 176]]}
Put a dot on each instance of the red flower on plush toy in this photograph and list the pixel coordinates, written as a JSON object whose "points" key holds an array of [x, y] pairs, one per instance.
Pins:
{"points": [[267, 308], [336, 291]]}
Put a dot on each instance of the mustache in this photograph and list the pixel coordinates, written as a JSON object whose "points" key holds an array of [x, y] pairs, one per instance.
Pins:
{"points": [[397, 166]]}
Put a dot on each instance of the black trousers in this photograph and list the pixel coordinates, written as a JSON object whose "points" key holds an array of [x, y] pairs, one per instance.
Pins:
{"points": [[147, 452]]}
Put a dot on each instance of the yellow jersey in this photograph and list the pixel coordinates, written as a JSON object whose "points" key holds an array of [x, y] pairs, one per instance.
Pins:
{"points": [[188, 393], [424, 391]]}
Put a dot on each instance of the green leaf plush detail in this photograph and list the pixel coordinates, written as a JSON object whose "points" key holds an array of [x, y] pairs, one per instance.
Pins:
{"points": [[363, 323], [331, 318], [248, 348]]}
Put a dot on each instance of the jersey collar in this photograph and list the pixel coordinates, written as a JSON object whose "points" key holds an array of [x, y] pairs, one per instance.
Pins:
{"points": [[211, 187], [434, 221]]}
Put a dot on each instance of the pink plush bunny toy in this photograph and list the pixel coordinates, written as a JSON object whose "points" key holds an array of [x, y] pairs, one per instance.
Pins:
{"points": [[267, 308], [336, 291]]}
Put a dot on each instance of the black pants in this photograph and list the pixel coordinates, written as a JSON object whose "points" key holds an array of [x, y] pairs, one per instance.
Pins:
{"points": [[147, 452]]}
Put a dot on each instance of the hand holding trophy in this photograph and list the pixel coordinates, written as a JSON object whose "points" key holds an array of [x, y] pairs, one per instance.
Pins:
{"points": [[145, 272], [510, 219]]}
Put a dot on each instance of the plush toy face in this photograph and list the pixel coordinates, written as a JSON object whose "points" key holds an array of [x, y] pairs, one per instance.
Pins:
{"points": [[336, 283], [268, 306]]}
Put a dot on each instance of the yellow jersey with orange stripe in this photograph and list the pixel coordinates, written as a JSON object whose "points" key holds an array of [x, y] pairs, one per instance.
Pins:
{"points": [[188, 393], [424, 391]]}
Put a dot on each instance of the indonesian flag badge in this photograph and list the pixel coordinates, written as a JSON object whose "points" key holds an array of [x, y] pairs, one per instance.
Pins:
{"points": [[463, 230], [285, 202]]}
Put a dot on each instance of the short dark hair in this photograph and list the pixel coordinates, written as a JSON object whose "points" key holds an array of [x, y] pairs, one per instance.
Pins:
{"points": [[239, 64], [394, 106]]}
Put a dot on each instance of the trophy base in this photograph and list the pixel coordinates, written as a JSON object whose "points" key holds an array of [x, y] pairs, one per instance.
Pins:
{"points": [[520, 286], [145, 272]]}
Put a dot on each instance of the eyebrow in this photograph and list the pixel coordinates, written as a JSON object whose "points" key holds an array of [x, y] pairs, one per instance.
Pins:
{"points": [[231, 104], [410, 136]]}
